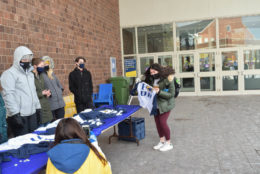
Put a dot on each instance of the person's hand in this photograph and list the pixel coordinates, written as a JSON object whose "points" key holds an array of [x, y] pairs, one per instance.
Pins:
{"points": [[156, 90], [45, 92], [48, 93]]}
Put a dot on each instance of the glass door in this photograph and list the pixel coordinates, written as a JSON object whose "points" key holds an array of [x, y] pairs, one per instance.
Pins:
{"points": [[207, 74], [144, 63], [230, 71], [251, 70], [186, 69], [165, 60]]}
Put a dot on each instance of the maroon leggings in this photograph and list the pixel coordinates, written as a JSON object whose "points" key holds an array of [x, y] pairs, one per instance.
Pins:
{"points": [[162, 126]]}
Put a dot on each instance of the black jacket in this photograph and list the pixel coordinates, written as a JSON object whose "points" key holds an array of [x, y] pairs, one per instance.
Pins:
{"points": [[80, 84]]}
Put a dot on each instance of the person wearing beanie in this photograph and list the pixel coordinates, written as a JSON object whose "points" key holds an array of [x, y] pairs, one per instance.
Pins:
{"points": [[162, 80], [42, 92], [80, 84], [19, 94], [52, 83]]}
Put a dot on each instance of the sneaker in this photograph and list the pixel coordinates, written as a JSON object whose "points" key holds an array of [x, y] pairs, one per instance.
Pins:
{"points": [[166, 147], [158, 146]]}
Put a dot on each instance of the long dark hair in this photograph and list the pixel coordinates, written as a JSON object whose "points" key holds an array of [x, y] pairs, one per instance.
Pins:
{"points": [[154, 66], [163, 72], [68, 128], [167, 71]]}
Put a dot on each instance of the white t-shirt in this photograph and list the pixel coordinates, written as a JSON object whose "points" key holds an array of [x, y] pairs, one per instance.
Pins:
{"points": [[145, 95]]}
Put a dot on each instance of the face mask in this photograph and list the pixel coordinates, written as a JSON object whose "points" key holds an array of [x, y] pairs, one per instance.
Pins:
{"points": [[46, 68], [81, 65], [40, 69], [25, 65], [156, 76]]}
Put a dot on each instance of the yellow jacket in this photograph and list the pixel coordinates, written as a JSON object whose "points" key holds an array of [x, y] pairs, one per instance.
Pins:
{"points": [[75, 158]]}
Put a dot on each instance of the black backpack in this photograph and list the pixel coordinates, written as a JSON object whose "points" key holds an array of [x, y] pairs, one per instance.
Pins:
{"points": [[177, 87]]}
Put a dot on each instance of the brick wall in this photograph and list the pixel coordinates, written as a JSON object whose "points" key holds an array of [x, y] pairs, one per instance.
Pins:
{"points": [[63, 29]]}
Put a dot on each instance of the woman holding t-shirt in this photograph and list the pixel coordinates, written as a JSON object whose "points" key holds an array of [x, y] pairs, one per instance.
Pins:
{"points": [[162, 80]]}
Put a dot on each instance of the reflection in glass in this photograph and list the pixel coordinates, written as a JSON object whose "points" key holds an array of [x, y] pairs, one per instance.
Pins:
{"points": [[196, 34], [207, 62], [207, 84], [239, 31], [129, 41], [155, 38], [145, 63], [230, 83], [252, 82], [165, 60], [252, 59], [229, 61], [186, 63], [187, 85]]}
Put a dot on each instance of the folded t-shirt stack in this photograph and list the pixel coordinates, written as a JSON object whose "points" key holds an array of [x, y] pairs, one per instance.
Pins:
{"points": [[97, 117], [92, 118]]}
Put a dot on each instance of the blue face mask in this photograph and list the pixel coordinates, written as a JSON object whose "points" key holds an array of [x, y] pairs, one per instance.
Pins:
{"points": [[81, 65], [40, 69]]}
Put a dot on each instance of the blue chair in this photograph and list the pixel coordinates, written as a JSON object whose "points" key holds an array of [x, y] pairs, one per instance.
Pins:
{"points": [[104, 95]]}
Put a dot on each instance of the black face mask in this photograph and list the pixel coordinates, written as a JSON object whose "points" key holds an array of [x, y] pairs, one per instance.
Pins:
{"points": [[156, 76], [25, 65], [46, 68]]}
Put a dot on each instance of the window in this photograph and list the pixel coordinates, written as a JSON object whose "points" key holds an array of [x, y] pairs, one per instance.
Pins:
{"points": [[156, 38], [207, 62], [252, 82], [194, 34], [229, 61], [186, 63], [239, 31], [165, 60], [251, 59], [129, 40]]}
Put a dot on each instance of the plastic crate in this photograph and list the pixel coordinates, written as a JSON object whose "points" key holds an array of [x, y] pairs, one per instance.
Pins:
{"points": [[138, 129]]}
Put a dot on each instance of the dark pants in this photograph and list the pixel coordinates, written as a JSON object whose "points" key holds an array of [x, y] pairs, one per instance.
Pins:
{"points": [[82, 106], [29, 125], [58, 113], [162, 126]]}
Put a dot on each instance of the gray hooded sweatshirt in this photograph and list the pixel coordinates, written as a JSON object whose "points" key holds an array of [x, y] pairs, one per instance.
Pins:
{"points": [[19, 92]]}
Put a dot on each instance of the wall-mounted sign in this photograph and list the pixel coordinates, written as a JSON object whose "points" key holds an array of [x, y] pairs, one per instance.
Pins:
{"points": [[130, 67], [113, 66]]}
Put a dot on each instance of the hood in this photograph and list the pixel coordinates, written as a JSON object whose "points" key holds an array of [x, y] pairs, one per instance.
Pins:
{"points": [[49, 61], [68, 157], [19, 53]]}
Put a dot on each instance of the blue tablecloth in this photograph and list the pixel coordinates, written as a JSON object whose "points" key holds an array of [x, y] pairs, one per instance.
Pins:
{"points": [[38, 161], [130, 109]]}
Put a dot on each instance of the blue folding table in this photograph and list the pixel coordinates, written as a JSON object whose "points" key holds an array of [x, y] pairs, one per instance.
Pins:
{"points": [[37, 162]]}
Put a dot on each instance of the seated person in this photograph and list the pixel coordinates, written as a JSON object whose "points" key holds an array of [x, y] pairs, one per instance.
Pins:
{"points": [[73, 153]]}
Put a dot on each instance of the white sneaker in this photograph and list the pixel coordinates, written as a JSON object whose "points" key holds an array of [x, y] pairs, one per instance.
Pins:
{"points": [[158, 146], [166, 147]]}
